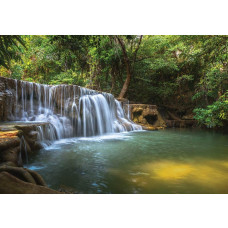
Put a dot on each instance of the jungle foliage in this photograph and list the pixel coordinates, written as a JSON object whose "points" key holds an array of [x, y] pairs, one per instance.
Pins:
{"points": [[184, 74]]}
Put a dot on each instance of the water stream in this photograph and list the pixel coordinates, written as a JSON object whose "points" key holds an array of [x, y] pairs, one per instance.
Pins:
{"points": [[23, 148]]}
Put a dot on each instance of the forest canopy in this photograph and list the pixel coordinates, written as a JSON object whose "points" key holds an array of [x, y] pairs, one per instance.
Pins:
{"points": [[183, 74]]}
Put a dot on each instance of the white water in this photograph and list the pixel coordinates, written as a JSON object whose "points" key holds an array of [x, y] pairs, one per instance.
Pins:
{"points": [[23, 148], [70, 110]]}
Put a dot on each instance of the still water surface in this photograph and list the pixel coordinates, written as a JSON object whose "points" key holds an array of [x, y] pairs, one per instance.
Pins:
{"points": [[165, 161]]}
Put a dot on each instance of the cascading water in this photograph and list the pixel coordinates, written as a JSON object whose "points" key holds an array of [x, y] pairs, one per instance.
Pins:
{"points": [[23, 148], [16, 98], [70, 110], [128, 110], [46, 134]]}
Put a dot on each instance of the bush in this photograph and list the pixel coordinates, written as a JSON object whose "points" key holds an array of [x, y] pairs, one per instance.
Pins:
{"points": [[214, 115]]}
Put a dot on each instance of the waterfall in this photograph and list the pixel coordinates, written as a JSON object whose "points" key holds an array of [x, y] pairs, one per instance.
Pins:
{"points": [[23, 148], [16, 99], [70, 110], [128, 110], [46, 134]]}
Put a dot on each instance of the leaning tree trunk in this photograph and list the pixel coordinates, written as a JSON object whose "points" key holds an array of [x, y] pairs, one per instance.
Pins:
{"points": [[127, 63], [127, 81]]}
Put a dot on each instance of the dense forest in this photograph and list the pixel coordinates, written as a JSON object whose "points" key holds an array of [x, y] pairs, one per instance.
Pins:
{"points": [[186, 75]]}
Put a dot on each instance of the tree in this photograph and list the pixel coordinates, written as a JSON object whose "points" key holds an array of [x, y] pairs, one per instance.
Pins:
{"points": [[177, 73], [10, 49], [129, 64]]}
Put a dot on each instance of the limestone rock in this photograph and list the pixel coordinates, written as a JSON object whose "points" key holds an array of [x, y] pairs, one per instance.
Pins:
{"points": [[10, 184], [7, 98], [145, 115], [11, 150]]}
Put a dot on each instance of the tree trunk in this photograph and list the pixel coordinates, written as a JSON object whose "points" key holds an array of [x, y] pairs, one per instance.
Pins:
{"points": [[127, 63]]}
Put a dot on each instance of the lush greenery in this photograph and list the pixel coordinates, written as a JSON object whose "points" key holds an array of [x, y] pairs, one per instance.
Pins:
{"points": [[182, 74], [215, 114]]}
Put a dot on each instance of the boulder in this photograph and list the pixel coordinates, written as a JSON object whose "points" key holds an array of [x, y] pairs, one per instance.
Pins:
{"points": [[18, 172], [10, 184], [7, 140], [9, 148], [146, 115], [17, 141]]}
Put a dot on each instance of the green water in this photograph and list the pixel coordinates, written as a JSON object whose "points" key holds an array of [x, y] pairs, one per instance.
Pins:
{"points": [[165, 161]]}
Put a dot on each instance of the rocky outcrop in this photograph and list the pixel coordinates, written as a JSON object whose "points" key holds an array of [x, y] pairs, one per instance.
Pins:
{"points": [[10, 148], [146, 115], [20, 140], [24, 174], [7, 101], [17, 141], [151, 119], [9, 184], [13, 93]]}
